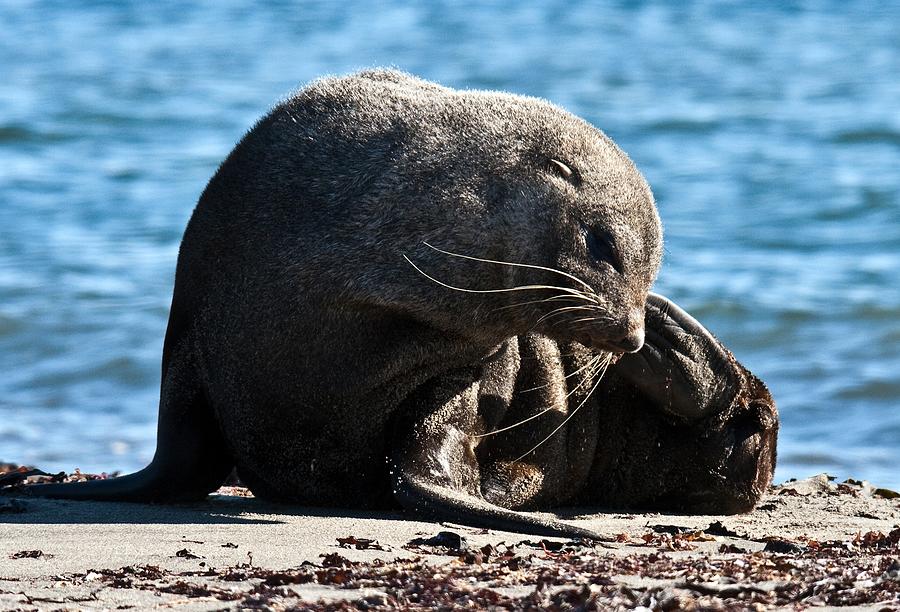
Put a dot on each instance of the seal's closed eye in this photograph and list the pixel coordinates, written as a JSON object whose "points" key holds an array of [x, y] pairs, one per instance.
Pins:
{"points": [[600, 246]]}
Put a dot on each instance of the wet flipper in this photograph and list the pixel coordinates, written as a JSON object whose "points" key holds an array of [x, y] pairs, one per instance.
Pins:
{"points": [[717, 455]]}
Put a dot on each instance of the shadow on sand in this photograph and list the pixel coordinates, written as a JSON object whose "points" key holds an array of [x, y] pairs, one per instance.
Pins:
{"points": [[216, 509]]}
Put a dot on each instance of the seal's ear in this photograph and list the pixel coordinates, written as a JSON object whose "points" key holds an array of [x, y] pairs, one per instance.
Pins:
{"points": [[562, 169]]}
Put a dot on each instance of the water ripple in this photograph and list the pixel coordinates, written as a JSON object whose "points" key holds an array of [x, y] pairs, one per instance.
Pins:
{"points": [[769, 133]]}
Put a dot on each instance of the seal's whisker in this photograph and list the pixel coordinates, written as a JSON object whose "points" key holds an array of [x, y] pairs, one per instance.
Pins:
{"points": [[577, 408], [593, 361], [518, 265], [563, 310], [580, 323], [589, 320], [574, 292], [582, 368], [558, 321], [597, 363], [530, 302], [594, 365], [523, 421]]}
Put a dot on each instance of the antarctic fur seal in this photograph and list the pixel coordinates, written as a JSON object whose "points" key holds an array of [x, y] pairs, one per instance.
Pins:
{"points": [[392, 291]]}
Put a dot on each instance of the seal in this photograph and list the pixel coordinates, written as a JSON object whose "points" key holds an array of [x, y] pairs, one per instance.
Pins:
{"points": [[386, 276]]}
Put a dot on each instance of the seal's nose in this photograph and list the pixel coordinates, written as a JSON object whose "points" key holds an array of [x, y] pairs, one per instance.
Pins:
{"points": [[632, 342]]}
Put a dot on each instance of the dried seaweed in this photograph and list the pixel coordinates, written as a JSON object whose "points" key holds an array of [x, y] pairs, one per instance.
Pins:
{"points": [[861, 570], [29, 554], [184, 553], [360, 543]]}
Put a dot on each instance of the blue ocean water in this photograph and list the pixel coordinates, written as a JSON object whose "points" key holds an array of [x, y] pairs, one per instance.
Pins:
{"points": [[770, 133]]}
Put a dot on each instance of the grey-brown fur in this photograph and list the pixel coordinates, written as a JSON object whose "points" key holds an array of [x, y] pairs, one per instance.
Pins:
{"points": [[307, 348]]}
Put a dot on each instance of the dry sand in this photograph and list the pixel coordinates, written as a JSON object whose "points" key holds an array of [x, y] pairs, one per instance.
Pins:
{"points": [[813, 542]]}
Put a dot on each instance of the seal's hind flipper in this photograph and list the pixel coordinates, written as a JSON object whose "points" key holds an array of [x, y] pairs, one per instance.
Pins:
{"points": [[682, 367], [716, 456], [190, 460]]}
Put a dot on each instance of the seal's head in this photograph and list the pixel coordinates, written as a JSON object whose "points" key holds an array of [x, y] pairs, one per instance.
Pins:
{"points": [[537, 217], [607, 234], [543, 221]]}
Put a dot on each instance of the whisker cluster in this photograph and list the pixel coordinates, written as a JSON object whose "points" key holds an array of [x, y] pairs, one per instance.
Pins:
{"points": [[596, 365], [587, 294], [585, 300], [590, 291], [602, 363]]}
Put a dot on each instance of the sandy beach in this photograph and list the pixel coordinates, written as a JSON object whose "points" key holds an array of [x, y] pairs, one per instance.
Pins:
{"points": [[809, 543]]}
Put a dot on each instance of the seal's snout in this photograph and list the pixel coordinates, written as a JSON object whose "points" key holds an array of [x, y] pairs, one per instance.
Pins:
{"points": [[631, 342], [631, 338], [625, 337]]}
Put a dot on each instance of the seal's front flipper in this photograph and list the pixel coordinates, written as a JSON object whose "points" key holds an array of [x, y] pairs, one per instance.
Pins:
{"points": [[434, 469], [190, 459], [682, 367]]}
